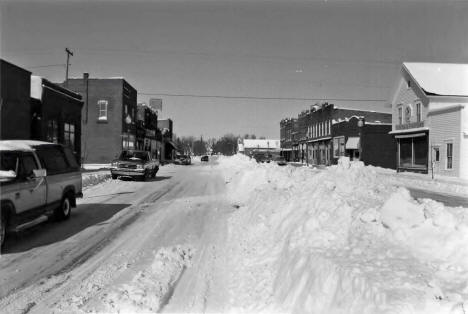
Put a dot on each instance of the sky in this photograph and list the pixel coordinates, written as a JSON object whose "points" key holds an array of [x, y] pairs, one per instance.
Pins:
{"points": [[262, 60]]}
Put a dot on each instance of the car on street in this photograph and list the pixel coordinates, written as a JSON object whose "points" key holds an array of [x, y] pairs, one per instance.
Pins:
{"points": [[204, 158], [182, 160], [281, 161], [38, 180], [135, 164]]}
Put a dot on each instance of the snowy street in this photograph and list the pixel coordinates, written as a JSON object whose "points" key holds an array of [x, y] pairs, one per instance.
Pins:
{"points": [[236, 236]]}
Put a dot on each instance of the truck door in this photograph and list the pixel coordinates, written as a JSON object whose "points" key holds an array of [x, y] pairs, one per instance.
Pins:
{"points": [[31, 194]]}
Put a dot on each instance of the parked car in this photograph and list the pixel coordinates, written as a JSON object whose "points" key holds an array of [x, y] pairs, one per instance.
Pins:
{"points": [[261, 158], [182, 160], [204, 158], [38, 180], [136, 164], [281, 161]]}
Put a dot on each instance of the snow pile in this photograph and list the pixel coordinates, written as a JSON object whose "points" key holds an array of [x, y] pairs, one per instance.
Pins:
{"points": [[93, 178], [150, 289], [340, 241]]}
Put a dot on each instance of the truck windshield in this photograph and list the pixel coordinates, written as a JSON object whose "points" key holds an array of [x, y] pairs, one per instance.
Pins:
{"points": [[132, 155]]}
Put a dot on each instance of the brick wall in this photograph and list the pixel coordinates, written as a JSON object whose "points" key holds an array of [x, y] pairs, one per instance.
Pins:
{"points": [[102, 140]]}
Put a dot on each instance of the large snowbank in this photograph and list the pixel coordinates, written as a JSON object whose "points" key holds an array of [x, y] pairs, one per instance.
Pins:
{"points": [[342, 240], [93, 178]]}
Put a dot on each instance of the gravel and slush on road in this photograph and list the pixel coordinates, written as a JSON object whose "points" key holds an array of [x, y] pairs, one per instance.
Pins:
{"points": [[231, 235]]}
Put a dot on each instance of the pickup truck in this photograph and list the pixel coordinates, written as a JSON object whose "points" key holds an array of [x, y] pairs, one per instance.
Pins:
{"points": [[38, 180], [136, 164]]}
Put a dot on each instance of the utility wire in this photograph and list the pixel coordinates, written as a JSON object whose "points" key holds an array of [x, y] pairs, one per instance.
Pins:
{"points": [[46, 66], [261, 98]]}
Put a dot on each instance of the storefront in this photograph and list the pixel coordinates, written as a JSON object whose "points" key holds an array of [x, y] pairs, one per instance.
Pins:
{"points": [[413, 152]]}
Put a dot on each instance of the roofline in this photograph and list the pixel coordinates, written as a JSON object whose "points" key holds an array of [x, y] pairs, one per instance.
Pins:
{"points": [[16, 66]]}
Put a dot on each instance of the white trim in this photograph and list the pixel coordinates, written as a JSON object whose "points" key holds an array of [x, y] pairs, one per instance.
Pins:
{"points": [[425, 128], [436, 110], [410, 135]]}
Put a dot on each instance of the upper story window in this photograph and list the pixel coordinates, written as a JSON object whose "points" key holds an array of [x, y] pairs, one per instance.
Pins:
{"points": [[418, 112], [400, 115], [102, 106]]}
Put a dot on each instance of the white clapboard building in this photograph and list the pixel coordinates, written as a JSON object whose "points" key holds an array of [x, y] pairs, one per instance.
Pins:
{"points": [[430, 118]]}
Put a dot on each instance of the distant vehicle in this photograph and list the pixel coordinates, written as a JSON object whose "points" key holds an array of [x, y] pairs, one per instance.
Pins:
{"points": [[281, 161], [38, 180], [137, 164], [262, 158], [183, 160], [204, 158]]}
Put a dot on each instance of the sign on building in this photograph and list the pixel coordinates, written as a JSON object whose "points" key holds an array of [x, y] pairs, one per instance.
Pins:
{"points": [[156, 104]]}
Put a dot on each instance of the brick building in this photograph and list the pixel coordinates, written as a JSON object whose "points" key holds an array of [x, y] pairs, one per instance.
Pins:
{"points": [[35, 108], [365, 140], [55, 114], [312, 135], [286, 129], [109, 117], [167, 146], [148, 136], [430, 118]]}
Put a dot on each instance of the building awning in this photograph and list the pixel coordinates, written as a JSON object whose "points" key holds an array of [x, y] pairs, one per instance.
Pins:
{"points": [[352, 143], [411, 135], [171, 144]]}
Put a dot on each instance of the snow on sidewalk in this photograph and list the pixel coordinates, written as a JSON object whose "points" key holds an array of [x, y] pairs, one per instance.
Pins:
{"points": [[341, 241]]}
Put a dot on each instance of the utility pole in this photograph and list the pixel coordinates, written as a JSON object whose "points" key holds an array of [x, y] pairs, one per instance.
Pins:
{"points": [[69, 52]]}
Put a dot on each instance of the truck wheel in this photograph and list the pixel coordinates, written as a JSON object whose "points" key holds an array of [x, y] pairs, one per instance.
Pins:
{"points": [[155, 170], [114, 176], [63, 212]]}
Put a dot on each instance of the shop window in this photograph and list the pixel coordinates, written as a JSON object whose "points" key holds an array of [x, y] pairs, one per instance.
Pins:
{"points": [[338, 147], [418, 112], [400, 115], [420, 151], [102, 107], [52, 131], [69, 134], [449, 156], [413, 152]]}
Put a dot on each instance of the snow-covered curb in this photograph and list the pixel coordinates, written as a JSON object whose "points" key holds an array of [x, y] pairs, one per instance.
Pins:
{"points": [[93, 178]]}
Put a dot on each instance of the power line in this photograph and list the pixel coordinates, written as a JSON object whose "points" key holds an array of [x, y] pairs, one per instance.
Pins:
{"points": [[46, 66], [261, 98]]}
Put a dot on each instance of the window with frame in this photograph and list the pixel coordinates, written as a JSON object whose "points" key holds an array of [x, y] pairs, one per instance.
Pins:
{"points": [[400, 115], [52, 131], [69, 134], [338, 146], [449, 155], [418, 112], [102, 107]]}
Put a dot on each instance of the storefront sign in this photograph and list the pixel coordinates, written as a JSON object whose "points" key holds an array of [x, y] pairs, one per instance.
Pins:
{"points": [[150, 133], [409, 125]]}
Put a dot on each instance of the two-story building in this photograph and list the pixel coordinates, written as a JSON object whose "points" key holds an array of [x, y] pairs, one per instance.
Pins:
{"points": [[320, 135], [430, 118], [109, 117], [32, 107], [286, 129]]}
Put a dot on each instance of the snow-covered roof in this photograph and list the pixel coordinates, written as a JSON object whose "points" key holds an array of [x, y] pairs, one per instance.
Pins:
{"points": [[22, 145], [445, 79], [268, 143]]}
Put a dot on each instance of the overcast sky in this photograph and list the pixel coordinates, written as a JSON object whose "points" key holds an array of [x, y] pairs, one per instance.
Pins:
{"points": [[264, 49]]}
